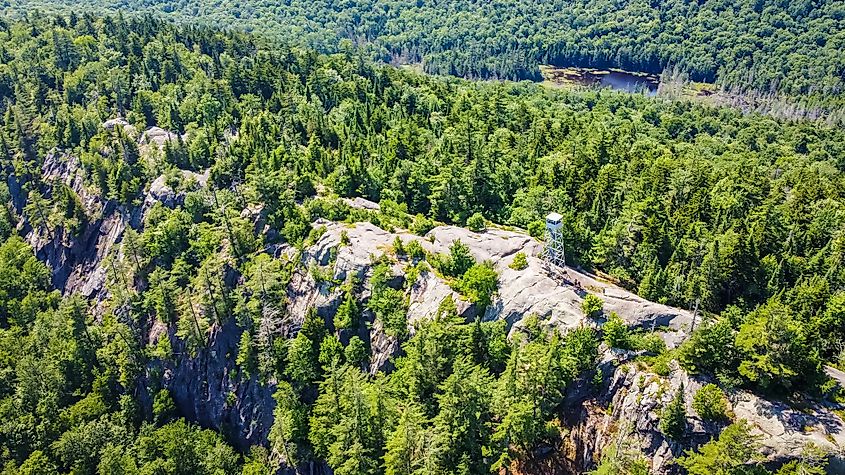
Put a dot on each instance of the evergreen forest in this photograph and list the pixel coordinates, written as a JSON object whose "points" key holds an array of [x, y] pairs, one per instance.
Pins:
{"points": [[737, 217]]}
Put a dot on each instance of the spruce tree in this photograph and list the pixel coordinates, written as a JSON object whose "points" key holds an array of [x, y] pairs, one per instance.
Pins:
{"points": [[673, 419]]}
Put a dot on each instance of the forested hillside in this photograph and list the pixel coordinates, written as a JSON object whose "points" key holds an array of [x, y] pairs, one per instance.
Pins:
{"points": [[739, 216], [767, 46]]}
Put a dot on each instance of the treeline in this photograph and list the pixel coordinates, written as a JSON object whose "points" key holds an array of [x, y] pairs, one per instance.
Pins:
{"points": [[687, 205], [762, 46], [736, 215]]}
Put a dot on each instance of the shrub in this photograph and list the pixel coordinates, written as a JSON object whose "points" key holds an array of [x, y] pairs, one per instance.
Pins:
{"points": [[388, 304], [421, 225], [520, 261], [735, 451], [616, 332], [710, 403], [537, 229], [592, 305], [356, 352], [649, 342], [415, 250], [398, 247], [347, 313], [660, 366], [164, 409], [476, 222], [458, 261], [479, 283]]}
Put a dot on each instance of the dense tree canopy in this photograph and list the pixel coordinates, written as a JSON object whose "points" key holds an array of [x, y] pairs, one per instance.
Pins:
{"points": [[764, 45], [740, 216]]}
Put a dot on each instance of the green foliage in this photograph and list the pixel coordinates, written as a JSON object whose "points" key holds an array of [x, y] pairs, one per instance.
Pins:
{"points": [[347, 313], [389, 304], [24, 284], [441, 36], [458, 262], [166, 234], [813, 461], [537, 229], [406, 449], [331, 352], [290, 424], [398, 246], [711, 348], [710, 403], [164, 409], [622, 459], [302, 366], [462, 426], [479, 283], [414, 250], [345, 424], [246, 359], [476, 222], [520, 262], [592, 305], [184, 448], [776, 354], [648, 342], [258, 462], [37, 464], [683, 202], [529, 390], [356, 352], [421, 225], [735, 452], [673, 418], [616, 333]]}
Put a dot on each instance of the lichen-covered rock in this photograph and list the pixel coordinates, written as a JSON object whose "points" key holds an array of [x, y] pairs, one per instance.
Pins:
{"points": [[157, 136], [119, 122], [785, 431], [161, 192], [493, 245], [629, 404], [426, 295], [362, 203], [383, 347]]}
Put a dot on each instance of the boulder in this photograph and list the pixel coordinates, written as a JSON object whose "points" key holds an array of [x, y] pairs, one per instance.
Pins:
{"points": [[157, 136], [426, 295], [362, 203], [119, 122], [161, 192]]}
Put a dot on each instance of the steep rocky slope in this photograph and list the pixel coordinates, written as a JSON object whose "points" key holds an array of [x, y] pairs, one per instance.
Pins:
{"points": [[629, 402]]}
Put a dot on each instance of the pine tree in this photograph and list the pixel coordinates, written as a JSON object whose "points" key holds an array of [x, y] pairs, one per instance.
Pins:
{"points": [[290, 424], [673, 418], [408, 445]]}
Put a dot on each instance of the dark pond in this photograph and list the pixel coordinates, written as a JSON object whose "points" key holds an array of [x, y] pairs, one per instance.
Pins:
{"points": [[614, 79]]}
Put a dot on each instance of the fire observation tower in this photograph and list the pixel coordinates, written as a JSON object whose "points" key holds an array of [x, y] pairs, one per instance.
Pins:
{"points": [[553, 253]]}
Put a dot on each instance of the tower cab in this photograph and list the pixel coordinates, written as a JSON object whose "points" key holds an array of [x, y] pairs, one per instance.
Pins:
{"points": [[553, 222]]}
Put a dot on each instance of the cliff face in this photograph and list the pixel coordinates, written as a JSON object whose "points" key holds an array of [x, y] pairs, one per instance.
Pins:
{"points": [[626, 409], [207, 390]]}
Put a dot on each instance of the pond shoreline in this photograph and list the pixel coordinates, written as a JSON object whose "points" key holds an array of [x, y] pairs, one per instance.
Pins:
{"points": [[612, 78]]}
